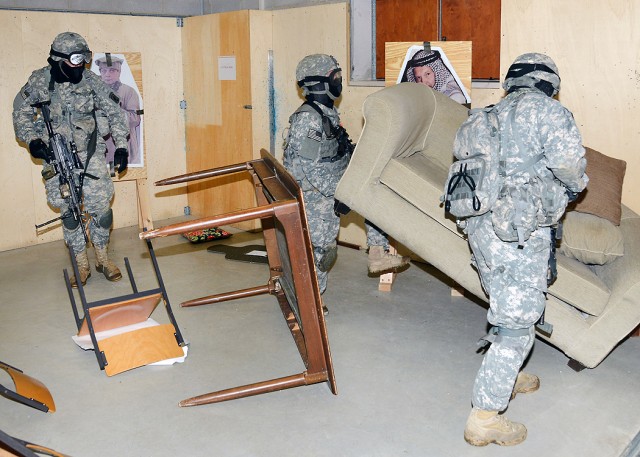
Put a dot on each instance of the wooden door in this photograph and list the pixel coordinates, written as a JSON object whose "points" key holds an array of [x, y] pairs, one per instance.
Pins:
{"points": [[404, 20], [477, 21], [218, 112]]}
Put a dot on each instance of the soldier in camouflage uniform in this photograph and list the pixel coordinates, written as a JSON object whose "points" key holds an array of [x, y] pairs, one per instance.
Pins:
{"points": [[313, 156], [516, 278], [77, 98]]}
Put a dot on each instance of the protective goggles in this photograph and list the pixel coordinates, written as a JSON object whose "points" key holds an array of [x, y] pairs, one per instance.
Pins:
{"points": [[334, 79], [75, 58]]}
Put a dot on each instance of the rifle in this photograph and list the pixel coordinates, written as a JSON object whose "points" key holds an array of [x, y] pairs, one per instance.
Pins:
{"points": [[68, 167]]}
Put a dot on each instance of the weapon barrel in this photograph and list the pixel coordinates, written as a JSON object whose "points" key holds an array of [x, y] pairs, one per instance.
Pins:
{"points": [[210, 173]]}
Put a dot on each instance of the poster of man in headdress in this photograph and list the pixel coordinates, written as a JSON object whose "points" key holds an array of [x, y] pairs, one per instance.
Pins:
{"points": [[432, 68], [115, 71]]}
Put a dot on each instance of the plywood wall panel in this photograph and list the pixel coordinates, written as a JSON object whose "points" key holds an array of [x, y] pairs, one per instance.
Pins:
{"points": [[17, 212], [261, 26], [595, 45]]}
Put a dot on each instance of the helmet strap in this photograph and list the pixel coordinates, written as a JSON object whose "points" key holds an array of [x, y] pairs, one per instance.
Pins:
{"points": [[322, 98]]}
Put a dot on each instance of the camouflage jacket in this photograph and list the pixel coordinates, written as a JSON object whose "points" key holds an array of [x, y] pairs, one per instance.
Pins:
{"points": [[543, 126], [74, 108], [311, 150]]}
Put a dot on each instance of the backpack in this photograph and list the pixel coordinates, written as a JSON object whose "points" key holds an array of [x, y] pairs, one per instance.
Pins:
{"points": [[476, 181]]}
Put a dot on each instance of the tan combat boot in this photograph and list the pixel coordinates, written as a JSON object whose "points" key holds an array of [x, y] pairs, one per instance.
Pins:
{"points": [[106, 266], [525, 383], [84, 270], [484, 427], [381, 260]]}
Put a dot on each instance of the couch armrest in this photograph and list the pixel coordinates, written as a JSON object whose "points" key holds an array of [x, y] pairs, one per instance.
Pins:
{"points": [[624, 273], [400, 120]]}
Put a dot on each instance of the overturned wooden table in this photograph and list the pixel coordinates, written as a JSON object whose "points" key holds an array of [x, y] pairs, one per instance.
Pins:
{"points": [[292, 279]]}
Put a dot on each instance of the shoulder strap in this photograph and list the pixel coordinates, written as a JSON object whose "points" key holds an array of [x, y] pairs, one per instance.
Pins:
{"points": [[511, 116], [326, 122]]}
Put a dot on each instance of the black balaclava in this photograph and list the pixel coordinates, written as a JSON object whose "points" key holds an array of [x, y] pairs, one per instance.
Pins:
{"points": [[63, 73]]}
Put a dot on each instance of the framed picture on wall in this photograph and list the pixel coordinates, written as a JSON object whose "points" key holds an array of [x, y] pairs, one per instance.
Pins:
{"points": [[431, 67], [118, 72]]}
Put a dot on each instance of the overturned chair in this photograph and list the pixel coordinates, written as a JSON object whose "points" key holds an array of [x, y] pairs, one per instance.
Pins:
{"points": [[119, 329], [396, 178], [292, 279]]}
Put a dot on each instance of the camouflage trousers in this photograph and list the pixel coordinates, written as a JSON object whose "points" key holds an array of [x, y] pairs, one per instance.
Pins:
{"points": [[515, 280], [375, 236], [97, 196], [324, 226]]}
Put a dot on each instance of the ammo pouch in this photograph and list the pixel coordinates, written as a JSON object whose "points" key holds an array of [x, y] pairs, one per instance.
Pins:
{"points": [[515, 213], [48, 171], [553, 200]]}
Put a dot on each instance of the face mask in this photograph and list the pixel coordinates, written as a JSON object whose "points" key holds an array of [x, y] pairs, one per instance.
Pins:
{"points": [[335, 82], [74, 74]]}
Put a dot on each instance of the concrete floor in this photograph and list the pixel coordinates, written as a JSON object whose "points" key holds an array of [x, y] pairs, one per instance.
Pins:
{"points": [[404, 363]]}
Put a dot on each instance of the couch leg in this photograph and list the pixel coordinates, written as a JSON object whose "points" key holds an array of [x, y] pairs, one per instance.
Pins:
{"points": [[575, 365], [457, 290], [636, 332]]}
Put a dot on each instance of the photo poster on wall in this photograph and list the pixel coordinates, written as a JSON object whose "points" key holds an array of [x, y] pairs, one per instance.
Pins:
{"points": [[444, 66], [123, 73]]}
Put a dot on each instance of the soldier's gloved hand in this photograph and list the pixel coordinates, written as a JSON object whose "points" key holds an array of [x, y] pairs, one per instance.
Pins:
{"points": [[573, 196], [121, 159], [39, 150]]}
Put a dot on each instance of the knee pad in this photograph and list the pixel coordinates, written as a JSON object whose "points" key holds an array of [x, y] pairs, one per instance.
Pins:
{"points": [[329, 255], [70, 223], [105, 220]]}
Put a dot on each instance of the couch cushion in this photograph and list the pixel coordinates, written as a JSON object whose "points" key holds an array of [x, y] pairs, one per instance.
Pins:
{"points": [[420, 181], [604, 192], [591, 239], [579, 286]]}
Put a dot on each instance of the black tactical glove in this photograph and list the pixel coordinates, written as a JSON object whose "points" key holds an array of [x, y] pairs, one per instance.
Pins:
{"points": [[573, 196], [121, 159], [39, 150]]}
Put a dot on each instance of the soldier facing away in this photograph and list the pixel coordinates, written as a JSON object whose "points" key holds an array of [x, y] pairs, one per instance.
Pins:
{"points": [[74, 95], [514, 274]]}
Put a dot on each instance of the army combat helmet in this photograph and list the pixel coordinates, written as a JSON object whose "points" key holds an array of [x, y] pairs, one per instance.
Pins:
{"points": [[319, 74], [71, 47], [533, 70]]}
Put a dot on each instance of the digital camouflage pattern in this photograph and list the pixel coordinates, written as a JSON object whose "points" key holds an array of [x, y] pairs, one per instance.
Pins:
{"points": [[73, 114], [516, 279], [315, 65], [307, 156], [70, 42], [376, 237], [530, 79]]}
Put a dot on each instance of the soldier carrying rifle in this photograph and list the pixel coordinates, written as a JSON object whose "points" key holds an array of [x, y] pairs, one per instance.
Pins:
{"points": [[74, 98]]}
